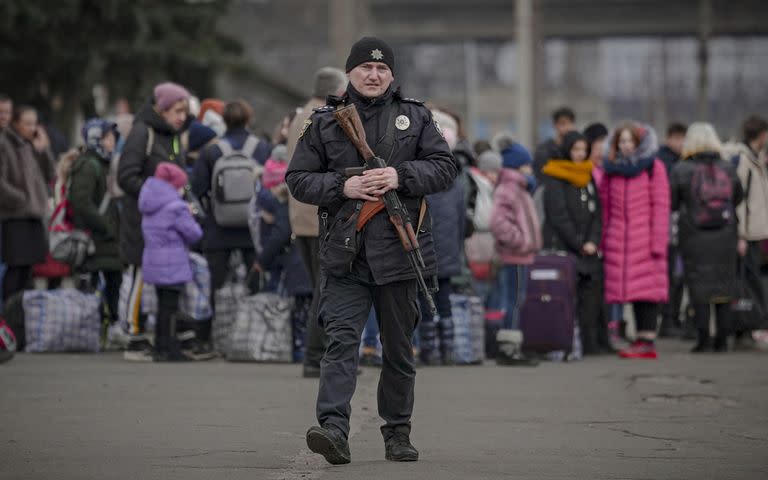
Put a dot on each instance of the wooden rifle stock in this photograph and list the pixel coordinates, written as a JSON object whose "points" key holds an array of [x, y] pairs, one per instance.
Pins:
{"points": [[349, 121]]}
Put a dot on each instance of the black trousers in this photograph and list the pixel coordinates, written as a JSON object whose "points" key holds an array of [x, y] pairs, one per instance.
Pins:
{"points": [[167, 306], [752, 262], [16, 279], [722, 320], [218, 264], [309, 248], [646, 316], [671, 309], [345, 303], [112, 282], [592, 315]]}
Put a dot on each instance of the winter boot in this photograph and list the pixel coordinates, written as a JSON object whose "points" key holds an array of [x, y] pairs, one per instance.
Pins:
{"points": [[510, 353], [330, 443], [720, 344], [704, 343], [398, 446]]}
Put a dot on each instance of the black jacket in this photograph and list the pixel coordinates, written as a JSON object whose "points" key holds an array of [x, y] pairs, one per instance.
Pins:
{"points": [[573, 218], [670, 158], [709, 255], [421, 157], [448, 213], [216, 237], [279, 250], [135, 167]]}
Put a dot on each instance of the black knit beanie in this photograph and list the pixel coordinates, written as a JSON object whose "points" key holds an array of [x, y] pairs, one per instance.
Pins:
{"points": [[594, 132], [371, 49]]}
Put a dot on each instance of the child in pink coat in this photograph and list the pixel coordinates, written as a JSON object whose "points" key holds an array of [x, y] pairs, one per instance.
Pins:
{"points": [[517, 232]]}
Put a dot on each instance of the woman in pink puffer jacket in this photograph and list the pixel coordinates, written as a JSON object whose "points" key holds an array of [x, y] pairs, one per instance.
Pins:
{"points": [[636, 207]]}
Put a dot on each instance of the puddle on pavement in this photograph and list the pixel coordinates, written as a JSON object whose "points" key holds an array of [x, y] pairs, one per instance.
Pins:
{"points": [[670, 380], [692, 398]]}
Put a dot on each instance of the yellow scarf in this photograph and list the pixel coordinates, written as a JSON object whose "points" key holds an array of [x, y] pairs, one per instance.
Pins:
{"points": [[577, 174]]}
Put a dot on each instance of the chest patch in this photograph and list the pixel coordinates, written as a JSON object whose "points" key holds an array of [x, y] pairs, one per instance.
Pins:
{"points": [[402, 122]]}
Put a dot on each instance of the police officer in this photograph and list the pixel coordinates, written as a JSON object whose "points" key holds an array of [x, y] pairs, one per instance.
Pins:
{"points": [[402, 132]]}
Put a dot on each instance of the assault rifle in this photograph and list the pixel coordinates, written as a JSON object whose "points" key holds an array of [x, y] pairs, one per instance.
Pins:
{"points": [[349, 121]]}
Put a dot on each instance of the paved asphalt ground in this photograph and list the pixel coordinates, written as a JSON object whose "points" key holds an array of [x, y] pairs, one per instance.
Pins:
{"points": [[98, 417]]}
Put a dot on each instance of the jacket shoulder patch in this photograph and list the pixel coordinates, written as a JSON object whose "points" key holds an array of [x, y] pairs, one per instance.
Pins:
{"points": [[324, 109], [413, 100]]}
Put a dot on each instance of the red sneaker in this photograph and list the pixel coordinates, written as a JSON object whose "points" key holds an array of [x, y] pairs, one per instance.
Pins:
{"points": [[640, 349]]}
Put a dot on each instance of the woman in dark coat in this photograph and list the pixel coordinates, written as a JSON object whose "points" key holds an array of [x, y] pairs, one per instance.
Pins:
{"points": [[447, 210], [708, 237], [573, 224], [87, 190], [26, 169], [154, 138]]}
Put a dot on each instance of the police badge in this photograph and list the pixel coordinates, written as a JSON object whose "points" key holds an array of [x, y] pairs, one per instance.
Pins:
{"points": [[402, 122]]}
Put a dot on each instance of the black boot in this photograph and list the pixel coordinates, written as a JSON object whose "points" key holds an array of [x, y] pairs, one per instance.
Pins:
{"points": [[721, 343], [330, 443], [168, 349], [397, 443], [589, 341], [704, 343]]}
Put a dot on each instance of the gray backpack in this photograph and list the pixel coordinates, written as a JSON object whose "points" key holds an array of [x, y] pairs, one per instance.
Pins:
{"points": [[232, 183]]}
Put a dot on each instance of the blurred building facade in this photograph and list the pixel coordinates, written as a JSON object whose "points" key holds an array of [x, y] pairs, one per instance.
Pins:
{"points": [[504, 65]]}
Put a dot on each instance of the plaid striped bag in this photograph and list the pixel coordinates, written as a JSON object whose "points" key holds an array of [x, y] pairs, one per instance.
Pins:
{"points": [[468, 329], [64, 320], [262, 331], [227, 299]]}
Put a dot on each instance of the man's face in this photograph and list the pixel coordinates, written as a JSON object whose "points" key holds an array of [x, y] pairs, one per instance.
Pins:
{"points": [[177, 114], [371, 79], [6, 108], [26, 126], [564, 125], [675, 143]]}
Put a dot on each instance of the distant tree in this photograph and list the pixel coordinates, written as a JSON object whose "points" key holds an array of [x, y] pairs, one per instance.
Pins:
{"points": [[57, 51]]}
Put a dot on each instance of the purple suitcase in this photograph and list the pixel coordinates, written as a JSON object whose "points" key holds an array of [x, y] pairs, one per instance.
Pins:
{"points": [[548, 317]]}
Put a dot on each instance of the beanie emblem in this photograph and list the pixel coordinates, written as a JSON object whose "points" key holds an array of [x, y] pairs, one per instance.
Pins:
{"points": [[376, 54]]}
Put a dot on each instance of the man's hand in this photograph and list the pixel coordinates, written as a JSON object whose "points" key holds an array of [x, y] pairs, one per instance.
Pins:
{"points": [[741, 247], [41, 142], [381, 180], [355, 189], [589, 249]]}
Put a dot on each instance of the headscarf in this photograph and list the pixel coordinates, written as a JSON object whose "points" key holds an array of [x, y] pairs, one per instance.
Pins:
{"points": [[94, 131]]}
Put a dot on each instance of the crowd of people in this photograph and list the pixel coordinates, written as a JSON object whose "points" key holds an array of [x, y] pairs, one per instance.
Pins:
{"points": [[643, 223]]}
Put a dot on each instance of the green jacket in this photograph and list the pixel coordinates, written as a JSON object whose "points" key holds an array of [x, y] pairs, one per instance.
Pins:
{"points": [[88, 178]]}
